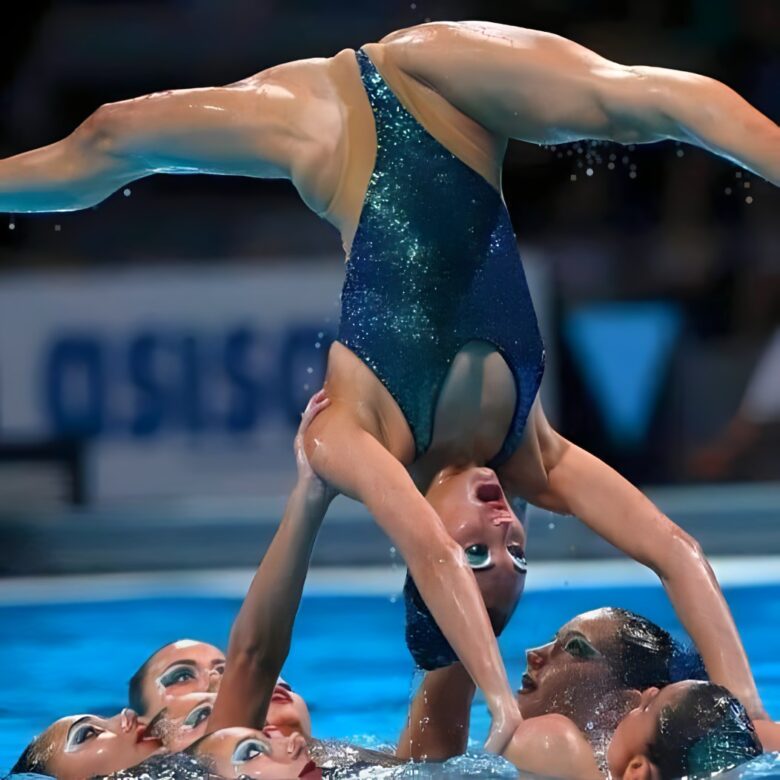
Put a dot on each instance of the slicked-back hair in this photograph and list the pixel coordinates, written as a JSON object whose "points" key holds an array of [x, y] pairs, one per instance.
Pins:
{"points": [[707, 731]]}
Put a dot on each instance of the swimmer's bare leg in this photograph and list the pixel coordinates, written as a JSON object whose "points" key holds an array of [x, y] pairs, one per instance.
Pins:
{"points": [[258, 127], [539, 87]]}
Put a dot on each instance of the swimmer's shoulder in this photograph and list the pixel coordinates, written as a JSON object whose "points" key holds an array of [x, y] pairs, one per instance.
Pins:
{"points": [[552, 745]]}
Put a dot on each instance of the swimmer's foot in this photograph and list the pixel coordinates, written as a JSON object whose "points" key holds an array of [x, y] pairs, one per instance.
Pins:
{"points": [[502, 729]]}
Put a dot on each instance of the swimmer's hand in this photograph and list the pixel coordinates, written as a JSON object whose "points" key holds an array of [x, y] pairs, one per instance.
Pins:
{"points": [[315, 488], [505, 723]]}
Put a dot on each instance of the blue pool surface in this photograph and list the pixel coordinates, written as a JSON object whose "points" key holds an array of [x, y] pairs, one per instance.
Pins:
{"points": [[348, 659]]}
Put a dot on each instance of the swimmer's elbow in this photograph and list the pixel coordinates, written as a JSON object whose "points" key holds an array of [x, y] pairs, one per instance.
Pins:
{"points": [[681, 556]]}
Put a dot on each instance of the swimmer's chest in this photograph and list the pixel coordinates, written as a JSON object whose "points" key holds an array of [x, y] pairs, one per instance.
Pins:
{"points": [[472, 411]]}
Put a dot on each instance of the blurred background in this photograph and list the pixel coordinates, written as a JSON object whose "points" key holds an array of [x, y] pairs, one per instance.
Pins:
{"points": [[155, 351]]}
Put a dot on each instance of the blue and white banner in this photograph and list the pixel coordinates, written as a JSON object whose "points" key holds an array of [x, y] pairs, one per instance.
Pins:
{"points": [[187, 381]]}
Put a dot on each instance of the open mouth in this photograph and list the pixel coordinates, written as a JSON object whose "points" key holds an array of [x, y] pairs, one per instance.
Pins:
{"points": [[528, 684], [281, 695], [489, 492], [310, 772], [145, 734]]}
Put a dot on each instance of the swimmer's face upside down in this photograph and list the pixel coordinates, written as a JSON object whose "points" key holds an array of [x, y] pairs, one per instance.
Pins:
{"points": [[479, 85], [266, 754], [82, 746]]}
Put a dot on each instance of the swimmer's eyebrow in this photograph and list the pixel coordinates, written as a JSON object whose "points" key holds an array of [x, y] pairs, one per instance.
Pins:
{"points": [[82, 719], [218, 662], [185, 662]]}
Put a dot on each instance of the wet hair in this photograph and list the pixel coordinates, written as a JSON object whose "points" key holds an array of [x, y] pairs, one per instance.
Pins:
{"points": [[34, 758], [424, 639], [705, 732], [647, 655]]}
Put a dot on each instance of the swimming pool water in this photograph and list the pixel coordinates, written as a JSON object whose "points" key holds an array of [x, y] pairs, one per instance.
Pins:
{"points": [[348, 659]]}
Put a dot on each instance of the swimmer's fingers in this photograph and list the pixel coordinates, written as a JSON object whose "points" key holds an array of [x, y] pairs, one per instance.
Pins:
{"points": [[316, 404], [315, 485]]}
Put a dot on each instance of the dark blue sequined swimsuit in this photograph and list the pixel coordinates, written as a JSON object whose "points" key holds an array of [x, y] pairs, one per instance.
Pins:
{"points": [[434, 265]]}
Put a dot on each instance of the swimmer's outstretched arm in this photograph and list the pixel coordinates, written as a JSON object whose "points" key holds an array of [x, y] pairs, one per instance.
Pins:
{"points": [[538, 87], [555, 474], [255, 127], [355, 463], [437, 726], [260, 636]]}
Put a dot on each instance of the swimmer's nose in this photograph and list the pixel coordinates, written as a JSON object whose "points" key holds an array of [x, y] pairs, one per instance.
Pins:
{"points": [[128, 720], [295, 745], [536, 657], [647, 696], [215, 677]]}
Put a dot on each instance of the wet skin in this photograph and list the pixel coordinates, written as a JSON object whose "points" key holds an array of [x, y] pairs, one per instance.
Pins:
{"points": [[82, 746], [266, 754], [573, 674], [637, 729], [180, 668], [185, 719], [477, 515]]}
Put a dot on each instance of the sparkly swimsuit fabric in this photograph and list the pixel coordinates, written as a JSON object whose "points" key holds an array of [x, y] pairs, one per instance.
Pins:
{"points": [[434, 264]]}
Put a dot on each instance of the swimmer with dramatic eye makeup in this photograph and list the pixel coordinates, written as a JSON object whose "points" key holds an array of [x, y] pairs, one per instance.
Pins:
{"points": [[439, 359], [176, 669], [266, 754], [81, 746]]}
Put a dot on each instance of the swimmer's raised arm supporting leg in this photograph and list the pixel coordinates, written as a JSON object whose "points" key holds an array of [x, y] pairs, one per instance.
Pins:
{"points": [[555, 474], [260, 636], [437, 726], [356, 463], [240, 129], [539, 87]]}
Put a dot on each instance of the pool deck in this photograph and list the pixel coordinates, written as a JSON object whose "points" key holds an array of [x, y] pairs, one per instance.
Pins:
{"points": [[728, 520]]}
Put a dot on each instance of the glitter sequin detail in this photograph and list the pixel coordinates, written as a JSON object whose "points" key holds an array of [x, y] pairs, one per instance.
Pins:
{"points": [[434, 264]]}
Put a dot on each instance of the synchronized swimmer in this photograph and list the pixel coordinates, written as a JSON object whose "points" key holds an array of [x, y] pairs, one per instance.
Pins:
{"points": [[432, 410]]}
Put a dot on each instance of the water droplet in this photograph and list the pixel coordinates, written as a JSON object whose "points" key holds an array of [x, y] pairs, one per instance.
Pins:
{"points": [[749, 199], [126, 192], [738, 174], [611, 166], [413, 6], [625, 159], [321, 335], [613, 157], [589, 171], [632, 175], [681, 153], [317, 345], [569, 152], [573, 177], [309, 370], [589, 726], [393, 599], [632, 166], [12, 226], [57, 228], [306, 387], [746, 185], [551, 526], [728, 190]]}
